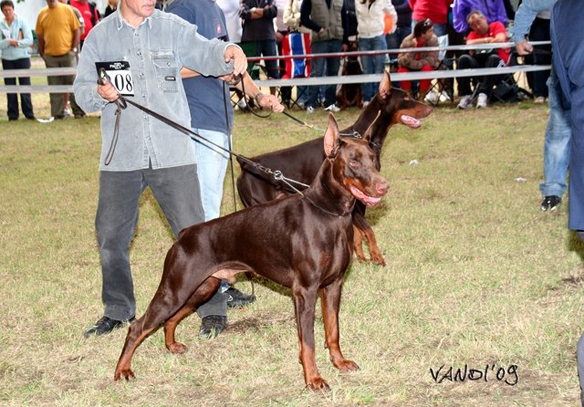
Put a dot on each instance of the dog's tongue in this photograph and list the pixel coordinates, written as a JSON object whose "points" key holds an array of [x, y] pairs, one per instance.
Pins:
{"points": [[410, 121], [366, 199]]}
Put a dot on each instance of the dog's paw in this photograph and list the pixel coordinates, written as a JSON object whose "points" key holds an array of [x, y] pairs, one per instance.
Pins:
{"points": [[125, 373], [347, 366], [317, 383], [177, 348]]}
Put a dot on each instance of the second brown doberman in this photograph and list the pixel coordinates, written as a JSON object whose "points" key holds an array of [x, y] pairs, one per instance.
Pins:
{"points": [[301, 162], [301, 242]]}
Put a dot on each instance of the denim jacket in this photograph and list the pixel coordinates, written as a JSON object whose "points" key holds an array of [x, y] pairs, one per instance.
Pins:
{"points": [[525, 15], [156, 51]]}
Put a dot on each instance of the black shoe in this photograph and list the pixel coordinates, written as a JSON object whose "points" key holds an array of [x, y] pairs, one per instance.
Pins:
{"points": [[550, 203], [79, 116], [237, 299], [105, 325], [212, 325], [31, 117], [12, 119]]}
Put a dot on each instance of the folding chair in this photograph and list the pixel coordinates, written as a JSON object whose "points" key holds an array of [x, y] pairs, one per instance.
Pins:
{"points": [[508, 90], [296, 43], [442, 85]]}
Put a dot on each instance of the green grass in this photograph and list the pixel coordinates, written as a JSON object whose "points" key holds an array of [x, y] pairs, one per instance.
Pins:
{"points": [[476, 276]]}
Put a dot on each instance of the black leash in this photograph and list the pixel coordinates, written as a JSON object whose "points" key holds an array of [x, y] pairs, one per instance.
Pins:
{"points": [[122, 103]]}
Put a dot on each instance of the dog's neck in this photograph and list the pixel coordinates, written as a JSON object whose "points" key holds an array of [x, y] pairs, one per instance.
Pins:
{"points": [[327, 196]]}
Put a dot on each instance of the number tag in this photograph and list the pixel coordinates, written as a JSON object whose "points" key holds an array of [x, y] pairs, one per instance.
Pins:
{"points": [[120, 76]]}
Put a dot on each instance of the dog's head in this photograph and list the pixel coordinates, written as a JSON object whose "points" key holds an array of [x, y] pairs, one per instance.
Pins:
{"points": [[402, 107], [355, 165]]}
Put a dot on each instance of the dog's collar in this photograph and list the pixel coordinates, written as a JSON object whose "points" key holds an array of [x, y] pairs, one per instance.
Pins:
{"points": [[339, 215]]}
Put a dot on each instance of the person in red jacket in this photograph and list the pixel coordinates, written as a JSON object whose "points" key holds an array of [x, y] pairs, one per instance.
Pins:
{"points": [[435, 10], [90, 16]]}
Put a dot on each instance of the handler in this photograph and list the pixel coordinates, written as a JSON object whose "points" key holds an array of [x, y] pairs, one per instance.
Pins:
{"points": [[142, 50]]}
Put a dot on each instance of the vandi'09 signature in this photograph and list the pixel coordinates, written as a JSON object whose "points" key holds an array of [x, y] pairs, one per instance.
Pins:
{"points": [[507, 375]]}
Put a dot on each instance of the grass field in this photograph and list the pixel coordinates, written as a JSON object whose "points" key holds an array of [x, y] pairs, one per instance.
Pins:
{"points": [[477, 277]]}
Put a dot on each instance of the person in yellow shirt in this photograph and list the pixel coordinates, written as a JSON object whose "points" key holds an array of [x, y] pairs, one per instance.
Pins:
{"points": [[58, 31]]}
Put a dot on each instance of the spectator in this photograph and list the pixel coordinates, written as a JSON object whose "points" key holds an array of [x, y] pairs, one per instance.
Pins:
{"points": [[231, 9], [66, 110], [350, 18], [206, 97], [404, 26], [281, 33], [112, 5], [539, 31], [259, 37], [14, 46], [370, 25], [149, 153], [325, 19], [556, 152], [493, 10], [292, 20], [90, 16], [57, 28], [425, 61], [482, 33], [435, 10]]}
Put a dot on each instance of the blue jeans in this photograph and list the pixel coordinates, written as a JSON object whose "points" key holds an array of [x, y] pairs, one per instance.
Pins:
{"points": [[556, 152], [372, 64], [211, 168], [177, 192], [12, 98], [324, 67]]}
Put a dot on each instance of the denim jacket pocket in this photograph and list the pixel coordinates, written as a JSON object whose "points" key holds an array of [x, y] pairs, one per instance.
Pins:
{"points": [[167, 70]]}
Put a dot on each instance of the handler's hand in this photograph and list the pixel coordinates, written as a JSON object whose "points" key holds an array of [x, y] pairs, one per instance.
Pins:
{"points": [[239, 59], [108, 92], [271, 102], [524, 48]]}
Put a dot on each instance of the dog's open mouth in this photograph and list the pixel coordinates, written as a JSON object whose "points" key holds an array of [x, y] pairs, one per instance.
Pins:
{"points": [[410, 121], [366, 199]]}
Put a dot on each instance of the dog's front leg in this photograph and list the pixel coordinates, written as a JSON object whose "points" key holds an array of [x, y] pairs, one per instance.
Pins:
{"points": [[330, 299], [304, 302]]}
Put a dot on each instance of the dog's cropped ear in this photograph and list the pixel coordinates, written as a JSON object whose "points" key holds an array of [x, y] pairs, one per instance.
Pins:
{"points": [[385, 85], [369, 131], [331, 135]]}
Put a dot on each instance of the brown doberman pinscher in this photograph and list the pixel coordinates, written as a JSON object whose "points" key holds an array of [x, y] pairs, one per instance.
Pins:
{"points": [[301, 162], [301, 242]]}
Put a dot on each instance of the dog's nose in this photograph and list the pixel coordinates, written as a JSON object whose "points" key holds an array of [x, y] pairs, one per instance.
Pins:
{"points": [[381, 187]]}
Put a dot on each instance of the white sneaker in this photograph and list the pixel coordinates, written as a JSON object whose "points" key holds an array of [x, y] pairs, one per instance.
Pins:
{"points": [[310, 110], [332, 108], [431, 97], [66, 112], [482, 101], [365, 104], [444, 97], [241, 104], [465, 102]]}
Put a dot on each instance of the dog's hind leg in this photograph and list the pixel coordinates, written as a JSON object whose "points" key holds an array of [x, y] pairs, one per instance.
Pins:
{"points": [[136, 334], [330, 298], [200, 296]]}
